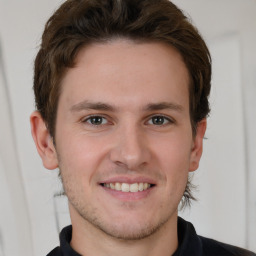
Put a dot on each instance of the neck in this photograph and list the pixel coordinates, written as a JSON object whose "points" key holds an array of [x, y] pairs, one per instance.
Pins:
{"points": [[89, 240]]}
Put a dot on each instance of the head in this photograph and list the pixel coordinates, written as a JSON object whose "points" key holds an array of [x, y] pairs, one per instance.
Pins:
{"points": [[78, 24]]}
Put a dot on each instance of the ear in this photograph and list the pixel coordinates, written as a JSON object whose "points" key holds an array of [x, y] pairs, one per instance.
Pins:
{"points": [[197, 148], [43, 141]]}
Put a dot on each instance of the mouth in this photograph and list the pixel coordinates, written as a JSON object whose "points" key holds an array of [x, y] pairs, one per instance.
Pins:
{"points": [[126, 187]]}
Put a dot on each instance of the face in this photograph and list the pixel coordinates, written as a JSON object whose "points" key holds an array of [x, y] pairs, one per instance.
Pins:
{"points": [[124, 141]]}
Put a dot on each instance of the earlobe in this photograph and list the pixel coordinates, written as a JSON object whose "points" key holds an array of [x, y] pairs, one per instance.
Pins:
{"points": [[43, 141], [197, 149]]}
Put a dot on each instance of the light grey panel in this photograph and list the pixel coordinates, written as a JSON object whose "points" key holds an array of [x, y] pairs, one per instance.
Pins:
{"points": [[10, 170], [221, 210], [61, 211]]}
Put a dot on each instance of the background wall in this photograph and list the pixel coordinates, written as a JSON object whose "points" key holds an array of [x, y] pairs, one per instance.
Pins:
{"points": [[32, 214]]}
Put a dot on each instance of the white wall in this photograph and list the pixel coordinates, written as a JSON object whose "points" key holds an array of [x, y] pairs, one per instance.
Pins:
{"points": [[21, 24], [218, 20], [227, 176], [221, 177]]}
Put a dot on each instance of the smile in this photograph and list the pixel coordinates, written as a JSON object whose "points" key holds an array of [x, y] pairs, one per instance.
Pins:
{"points": [[125, 187]]}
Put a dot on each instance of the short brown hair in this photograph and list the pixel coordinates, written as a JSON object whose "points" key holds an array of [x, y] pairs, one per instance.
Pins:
{"points": [[80, 22]]}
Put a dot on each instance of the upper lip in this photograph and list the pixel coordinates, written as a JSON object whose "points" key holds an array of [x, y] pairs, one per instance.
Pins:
{"points": [[129, 180]]}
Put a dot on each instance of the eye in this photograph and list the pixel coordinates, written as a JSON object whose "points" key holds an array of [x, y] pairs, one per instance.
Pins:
{"points": [[159, 120], [96, 120]]}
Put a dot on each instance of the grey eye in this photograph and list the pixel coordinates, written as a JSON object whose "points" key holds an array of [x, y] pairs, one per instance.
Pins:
{"points": [[159, 120], [96, 120]]}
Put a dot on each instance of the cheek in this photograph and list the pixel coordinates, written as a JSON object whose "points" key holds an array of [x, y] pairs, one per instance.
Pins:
{"points": [[77, 163], [174, 151], [173, 156], [80, 155]]}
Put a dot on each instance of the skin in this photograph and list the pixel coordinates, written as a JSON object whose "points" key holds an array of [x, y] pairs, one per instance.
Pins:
{"points": [[140, 96]]}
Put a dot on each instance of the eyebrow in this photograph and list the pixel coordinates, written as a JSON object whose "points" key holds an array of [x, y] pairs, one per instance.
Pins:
{"points": [[87, 105], [163, 106]]}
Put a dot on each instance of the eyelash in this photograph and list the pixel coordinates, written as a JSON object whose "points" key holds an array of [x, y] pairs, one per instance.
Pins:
{"points": [[167, 120]]}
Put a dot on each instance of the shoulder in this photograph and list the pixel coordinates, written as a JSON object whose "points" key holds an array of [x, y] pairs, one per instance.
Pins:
{"points": [[55, 252], [212, 247]]}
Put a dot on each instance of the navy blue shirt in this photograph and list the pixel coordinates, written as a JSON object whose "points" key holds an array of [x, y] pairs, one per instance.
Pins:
{"points": [[190, 244]]}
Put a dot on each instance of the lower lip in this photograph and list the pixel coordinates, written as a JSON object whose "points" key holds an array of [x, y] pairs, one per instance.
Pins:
{"points": [[129, 196]]}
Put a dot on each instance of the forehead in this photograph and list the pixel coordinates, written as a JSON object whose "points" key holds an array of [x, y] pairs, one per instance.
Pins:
{"points": [[124, 71]]}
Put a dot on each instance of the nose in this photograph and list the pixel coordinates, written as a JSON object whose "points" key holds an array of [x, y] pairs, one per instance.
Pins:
{"points": [[131, 148]]}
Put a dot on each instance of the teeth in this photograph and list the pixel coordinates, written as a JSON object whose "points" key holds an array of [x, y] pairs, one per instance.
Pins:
{"points": [[125, 187], [134, 187], [145, 186], [141, 186], [118, 186]]}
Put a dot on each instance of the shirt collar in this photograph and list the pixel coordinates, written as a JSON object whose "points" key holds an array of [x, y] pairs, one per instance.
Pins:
{"points": [[189, 242], [65, 239]]}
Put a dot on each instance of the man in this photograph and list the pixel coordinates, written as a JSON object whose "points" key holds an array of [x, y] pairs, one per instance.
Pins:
{"points": [[121, 89]]}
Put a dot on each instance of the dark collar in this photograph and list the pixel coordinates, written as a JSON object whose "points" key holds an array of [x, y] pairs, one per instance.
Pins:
{"points": [[65, 239], [189, 242]]}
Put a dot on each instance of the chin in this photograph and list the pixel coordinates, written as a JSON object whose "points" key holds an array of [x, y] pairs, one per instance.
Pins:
{"points": [[129, 231], [128, 228]]}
